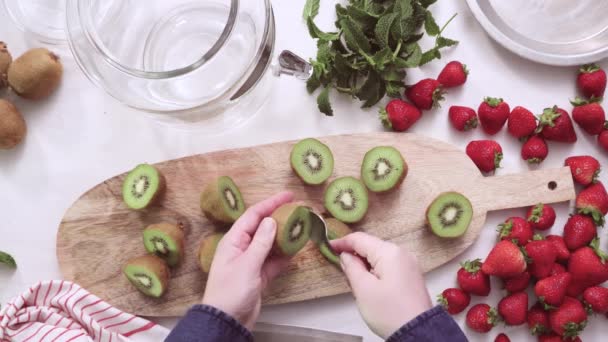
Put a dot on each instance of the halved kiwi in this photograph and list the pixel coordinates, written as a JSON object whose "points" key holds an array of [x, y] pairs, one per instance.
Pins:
{"points": [[346, 199], [206, 251], [450, 215], [293, 228], [142, 186], [166, 241], [222, 201], [312, 161], [149, 274], [335, 230], [383, 169]]}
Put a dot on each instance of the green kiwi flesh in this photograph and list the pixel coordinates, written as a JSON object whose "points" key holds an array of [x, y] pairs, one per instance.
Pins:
{"points": [[312, 161], [206, 251], [335, 230], [149, 274], [383, 169], [221, 201], [293, 228], [450, 215], [346, 199], [142, 186], [166, 241]]}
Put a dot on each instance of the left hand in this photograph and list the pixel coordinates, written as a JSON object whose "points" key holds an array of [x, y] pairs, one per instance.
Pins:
{"points": [[241, 267]]}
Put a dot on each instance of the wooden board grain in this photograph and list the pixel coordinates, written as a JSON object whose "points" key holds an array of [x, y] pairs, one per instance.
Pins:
{"points": [[99, 234]]}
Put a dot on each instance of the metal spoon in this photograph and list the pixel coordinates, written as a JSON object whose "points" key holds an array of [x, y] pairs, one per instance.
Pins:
{"points": [[319, 236]]}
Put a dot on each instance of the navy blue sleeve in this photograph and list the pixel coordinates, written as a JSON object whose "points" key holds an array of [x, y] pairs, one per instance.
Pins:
{"points": [[208, 324], [431, 326]]}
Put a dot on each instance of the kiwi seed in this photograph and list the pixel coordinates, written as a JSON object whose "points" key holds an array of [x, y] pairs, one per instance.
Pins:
{"points": [[449, 215], [346, 199], [383, 169], [142, 186], [35, 74], [312, 161]]}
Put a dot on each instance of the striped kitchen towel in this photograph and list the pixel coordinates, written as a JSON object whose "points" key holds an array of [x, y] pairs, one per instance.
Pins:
{"points": [[62, 311]]}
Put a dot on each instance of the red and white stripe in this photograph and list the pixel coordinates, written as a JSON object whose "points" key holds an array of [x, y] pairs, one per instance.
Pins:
{"points": [[61, 311]]}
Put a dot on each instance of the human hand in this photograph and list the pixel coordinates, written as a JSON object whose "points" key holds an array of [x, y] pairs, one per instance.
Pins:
{"points": [[390, 292], [241, 268]]}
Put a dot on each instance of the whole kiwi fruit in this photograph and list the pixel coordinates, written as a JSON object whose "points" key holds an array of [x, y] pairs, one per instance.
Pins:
{"points": [[5, 61], [36, 74], [12, 125]]}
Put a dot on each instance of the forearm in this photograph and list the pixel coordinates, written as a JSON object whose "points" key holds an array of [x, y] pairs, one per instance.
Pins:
{"points": [[430, 326], [207, 324]]}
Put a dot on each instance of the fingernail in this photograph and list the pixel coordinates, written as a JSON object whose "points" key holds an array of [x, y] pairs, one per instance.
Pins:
{"points": [[268, 226]]}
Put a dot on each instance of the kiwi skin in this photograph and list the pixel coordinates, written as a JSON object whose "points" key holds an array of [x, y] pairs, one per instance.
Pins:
{"points": [[12, 126], [36, 74], [175, 232], [155, 265], [207, 249], [335, 230], [281, 216], [5, 61], [211, 204]]}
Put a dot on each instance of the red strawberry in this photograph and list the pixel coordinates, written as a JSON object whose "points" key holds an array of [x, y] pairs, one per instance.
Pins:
{"points": [[596, 298], [591, 81], [486, 154], [557, 269], [556, 125], [482, 318], [602, 139], [534, 150], [514, 308], [463, 118], [502, 338], [579, 231], [556, 338], [569, 319], [518, 283], [522, 122], [493, 113], [472, 280], [589, 115], [504, 261], [541, 216], [552, 290], [399, 115], [542, 255], [454, 300], [538, 319], [593, 201], [453, 74], [585, 169], [588, 267], [563, 254], [425, 94], [516, 229]]}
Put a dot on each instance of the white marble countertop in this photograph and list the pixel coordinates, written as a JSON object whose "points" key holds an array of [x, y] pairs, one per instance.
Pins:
{"points": [[80, 137]]}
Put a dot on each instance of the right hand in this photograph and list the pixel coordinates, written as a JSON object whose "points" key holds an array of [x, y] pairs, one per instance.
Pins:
{"points": [[391, 291]]}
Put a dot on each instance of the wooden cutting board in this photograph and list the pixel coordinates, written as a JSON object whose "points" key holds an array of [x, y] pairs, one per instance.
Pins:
{"points": [[99, 234]]}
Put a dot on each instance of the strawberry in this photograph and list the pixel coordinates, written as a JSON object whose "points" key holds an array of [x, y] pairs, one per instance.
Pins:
{"points": [[556, 338], [534, 150], [579, 231], [505, 260], [552, 290], [591, 81], [602, 139], [596, 299], [557, 269], [493, 113], [585, 169], [516, 229], [399, 115], [522, 123], [518, 283], [569, 319], [542, 255], [482, 318], [541, 216], [463, 118], [486, 154], [472, 280], [593, 201], [588, 268], [454, 300], [425, 94], [589, 115], [538, 319], [502, 338], [514, 308], [563, 254], [556, 125], [454, 74]]}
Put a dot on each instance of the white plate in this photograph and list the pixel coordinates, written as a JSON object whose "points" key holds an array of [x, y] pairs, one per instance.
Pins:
{"points": [[555, 32]]}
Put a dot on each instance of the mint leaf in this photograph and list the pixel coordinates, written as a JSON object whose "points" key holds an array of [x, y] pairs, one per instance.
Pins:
{"points": [[354, 36], [404, 8], [313, 83], [445, 42], [430, 26], [311, 9], [415, 56], [7, 259], [427, 3], [382, 58], [323, 102], [316, 33], [383, 28], [429, 56], [393, 74], [372, 91]]}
